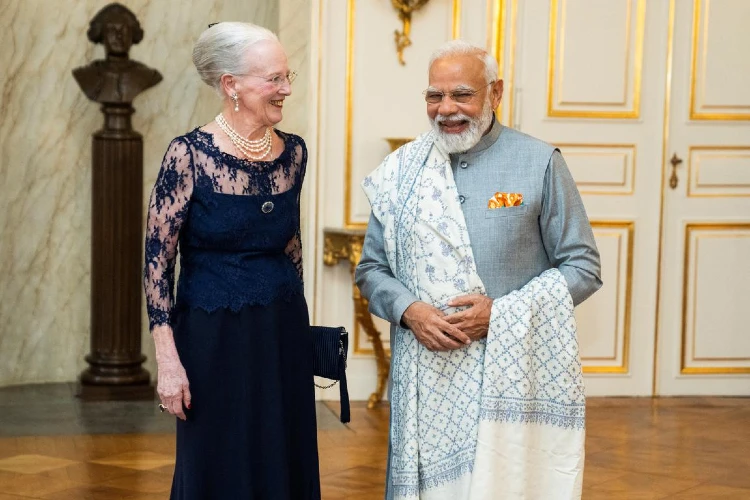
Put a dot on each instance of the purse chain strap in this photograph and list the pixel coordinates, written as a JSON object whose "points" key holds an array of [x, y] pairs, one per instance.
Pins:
{"points": [[341, 353]]}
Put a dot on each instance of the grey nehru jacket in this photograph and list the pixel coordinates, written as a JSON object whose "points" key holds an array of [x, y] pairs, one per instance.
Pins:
{"points": [[511, 245]]}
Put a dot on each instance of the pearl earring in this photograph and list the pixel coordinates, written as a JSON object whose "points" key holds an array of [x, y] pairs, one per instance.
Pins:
{"points": [[236, 100]]}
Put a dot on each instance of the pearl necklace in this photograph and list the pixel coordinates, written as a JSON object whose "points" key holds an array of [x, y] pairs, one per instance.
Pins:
{"points": [[252, 150]]}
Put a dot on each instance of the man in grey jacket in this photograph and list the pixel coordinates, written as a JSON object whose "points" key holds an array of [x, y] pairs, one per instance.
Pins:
{"points": [[523, 216], [511, 245]]}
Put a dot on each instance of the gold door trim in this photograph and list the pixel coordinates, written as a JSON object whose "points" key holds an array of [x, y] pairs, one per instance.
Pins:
{"points": [[510, 81], [696, 370], [498, 44], [624, 366], [348, 117], [664, 160], [694, 114], [632, 147], [694, 172], [552, 111], [456, 21]]}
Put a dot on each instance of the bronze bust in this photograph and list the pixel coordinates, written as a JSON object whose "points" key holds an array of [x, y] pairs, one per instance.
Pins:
{"points": [[116, 79]]}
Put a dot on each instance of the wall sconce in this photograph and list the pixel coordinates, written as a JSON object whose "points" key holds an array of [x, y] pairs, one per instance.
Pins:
{"points": [[405, 9]]}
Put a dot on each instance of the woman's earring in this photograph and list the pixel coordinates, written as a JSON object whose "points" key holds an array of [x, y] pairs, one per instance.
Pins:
{"points": [[236, 100]]}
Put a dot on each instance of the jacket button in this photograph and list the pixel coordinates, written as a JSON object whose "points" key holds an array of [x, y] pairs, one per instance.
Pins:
{"points": [[462, 199], [463, 164]]}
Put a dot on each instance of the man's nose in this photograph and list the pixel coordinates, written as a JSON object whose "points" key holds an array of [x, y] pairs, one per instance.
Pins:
{"points": [[447, 106]]}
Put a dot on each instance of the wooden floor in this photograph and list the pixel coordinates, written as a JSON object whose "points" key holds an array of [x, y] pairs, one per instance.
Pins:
{"points": [[697, 448]]}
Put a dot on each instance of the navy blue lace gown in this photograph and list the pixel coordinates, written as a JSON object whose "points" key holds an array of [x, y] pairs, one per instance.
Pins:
{"points": [[239, 319]]}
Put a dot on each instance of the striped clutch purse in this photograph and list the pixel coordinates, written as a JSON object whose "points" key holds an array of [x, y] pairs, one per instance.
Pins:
{"points": [[330, 346]]}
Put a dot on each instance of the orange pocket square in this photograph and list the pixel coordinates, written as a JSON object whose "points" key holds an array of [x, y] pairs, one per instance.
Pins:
{"points": [[501, 200]]}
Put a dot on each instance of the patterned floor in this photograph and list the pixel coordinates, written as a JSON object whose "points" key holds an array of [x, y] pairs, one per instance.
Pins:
{"points": [[688, 448]]}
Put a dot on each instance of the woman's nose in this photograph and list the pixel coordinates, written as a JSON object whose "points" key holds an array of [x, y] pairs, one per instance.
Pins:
{"points": [[286, 88]]}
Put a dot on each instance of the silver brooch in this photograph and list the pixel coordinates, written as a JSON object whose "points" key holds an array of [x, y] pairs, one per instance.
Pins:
{"points": [[267, 207]]}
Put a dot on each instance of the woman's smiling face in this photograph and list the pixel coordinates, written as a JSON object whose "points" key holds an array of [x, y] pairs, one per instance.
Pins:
{"points": [[262, 90]]}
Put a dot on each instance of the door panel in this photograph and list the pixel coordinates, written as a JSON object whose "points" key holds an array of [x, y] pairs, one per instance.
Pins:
{"points": [[586, 84], [704, 345]]}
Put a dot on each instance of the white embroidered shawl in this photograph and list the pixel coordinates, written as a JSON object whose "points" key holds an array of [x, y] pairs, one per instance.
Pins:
{"points": [[502, 418]]}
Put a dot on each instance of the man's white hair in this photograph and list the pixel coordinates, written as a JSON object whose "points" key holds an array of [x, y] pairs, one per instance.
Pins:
{"points": [[464, 48]]}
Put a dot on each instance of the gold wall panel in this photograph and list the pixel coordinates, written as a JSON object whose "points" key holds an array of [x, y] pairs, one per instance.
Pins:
{"points": [[700, 52], [509, 81], [498, 45], [623, 108], [621, 230], [689, 299], [698, 189], [623, 186], [456, 22], [349, 125]]}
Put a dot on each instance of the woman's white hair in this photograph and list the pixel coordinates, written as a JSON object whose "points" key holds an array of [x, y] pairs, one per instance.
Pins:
{"points": [[222, 49], [464, 48]]}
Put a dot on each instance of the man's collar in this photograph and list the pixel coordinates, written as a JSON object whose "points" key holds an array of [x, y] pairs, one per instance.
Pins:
{"points": [[487, 139]]}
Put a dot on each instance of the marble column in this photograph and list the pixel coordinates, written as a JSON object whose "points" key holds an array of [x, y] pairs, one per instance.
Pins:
{"points": [[297, 21]]}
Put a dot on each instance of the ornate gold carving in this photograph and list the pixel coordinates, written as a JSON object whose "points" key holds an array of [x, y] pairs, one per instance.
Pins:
{"points": [[346, 244], [405, 9]]}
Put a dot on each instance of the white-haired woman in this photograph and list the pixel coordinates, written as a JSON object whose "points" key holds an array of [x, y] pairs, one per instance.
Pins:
{"points": [[233, 351]]}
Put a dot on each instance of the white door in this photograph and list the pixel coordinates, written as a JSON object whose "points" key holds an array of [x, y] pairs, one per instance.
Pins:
{"points": [[704, 334], [588, 84]]}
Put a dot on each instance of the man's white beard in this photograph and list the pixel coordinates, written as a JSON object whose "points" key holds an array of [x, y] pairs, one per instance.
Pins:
{"points": [[459, 143]]}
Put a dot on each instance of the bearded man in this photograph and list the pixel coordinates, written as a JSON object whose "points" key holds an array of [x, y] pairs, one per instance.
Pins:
{"points": [[477, 250]]}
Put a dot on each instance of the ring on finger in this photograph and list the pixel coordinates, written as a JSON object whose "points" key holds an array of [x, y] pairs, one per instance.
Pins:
{"points": [[162, 408]]}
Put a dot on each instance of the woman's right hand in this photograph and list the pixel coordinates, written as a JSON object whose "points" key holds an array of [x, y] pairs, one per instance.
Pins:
{"points": [[172, 382]]}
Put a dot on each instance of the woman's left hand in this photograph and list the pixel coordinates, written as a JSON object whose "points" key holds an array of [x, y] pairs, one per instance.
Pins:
{"points": [[172, 385]]}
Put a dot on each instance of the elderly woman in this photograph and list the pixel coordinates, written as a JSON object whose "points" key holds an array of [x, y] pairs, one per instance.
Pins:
{"points": [[233, 350]]}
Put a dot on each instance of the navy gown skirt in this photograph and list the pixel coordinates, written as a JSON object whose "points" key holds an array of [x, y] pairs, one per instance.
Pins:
{"points": [[251, 430]]}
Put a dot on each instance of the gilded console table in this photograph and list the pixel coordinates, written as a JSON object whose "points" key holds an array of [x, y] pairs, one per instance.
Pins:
{"points": [[346, 244]]}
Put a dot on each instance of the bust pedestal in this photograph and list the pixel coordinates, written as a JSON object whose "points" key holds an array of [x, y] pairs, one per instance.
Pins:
{"points": [[115, 362]]}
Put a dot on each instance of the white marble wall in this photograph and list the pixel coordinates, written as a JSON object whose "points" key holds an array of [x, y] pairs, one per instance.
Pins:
{"points": [[296, 19], [45, 162], [294, 32]]}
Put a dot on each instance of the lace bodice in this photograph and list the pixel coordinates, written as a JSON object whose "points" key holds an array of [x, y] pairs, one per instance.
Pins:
{"points": [[236, 223]]}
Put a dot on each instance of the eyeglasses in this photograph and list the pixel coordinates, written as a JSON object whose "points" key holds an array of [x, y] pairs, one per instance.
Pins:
{"points": [[278, 80], [461, 95]]}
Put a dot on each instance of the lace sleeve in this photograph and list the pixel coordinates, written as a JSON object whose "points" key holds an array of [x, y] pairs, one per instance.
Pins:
{"points": [[294, 252], [167, 209], [294, 247]]}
